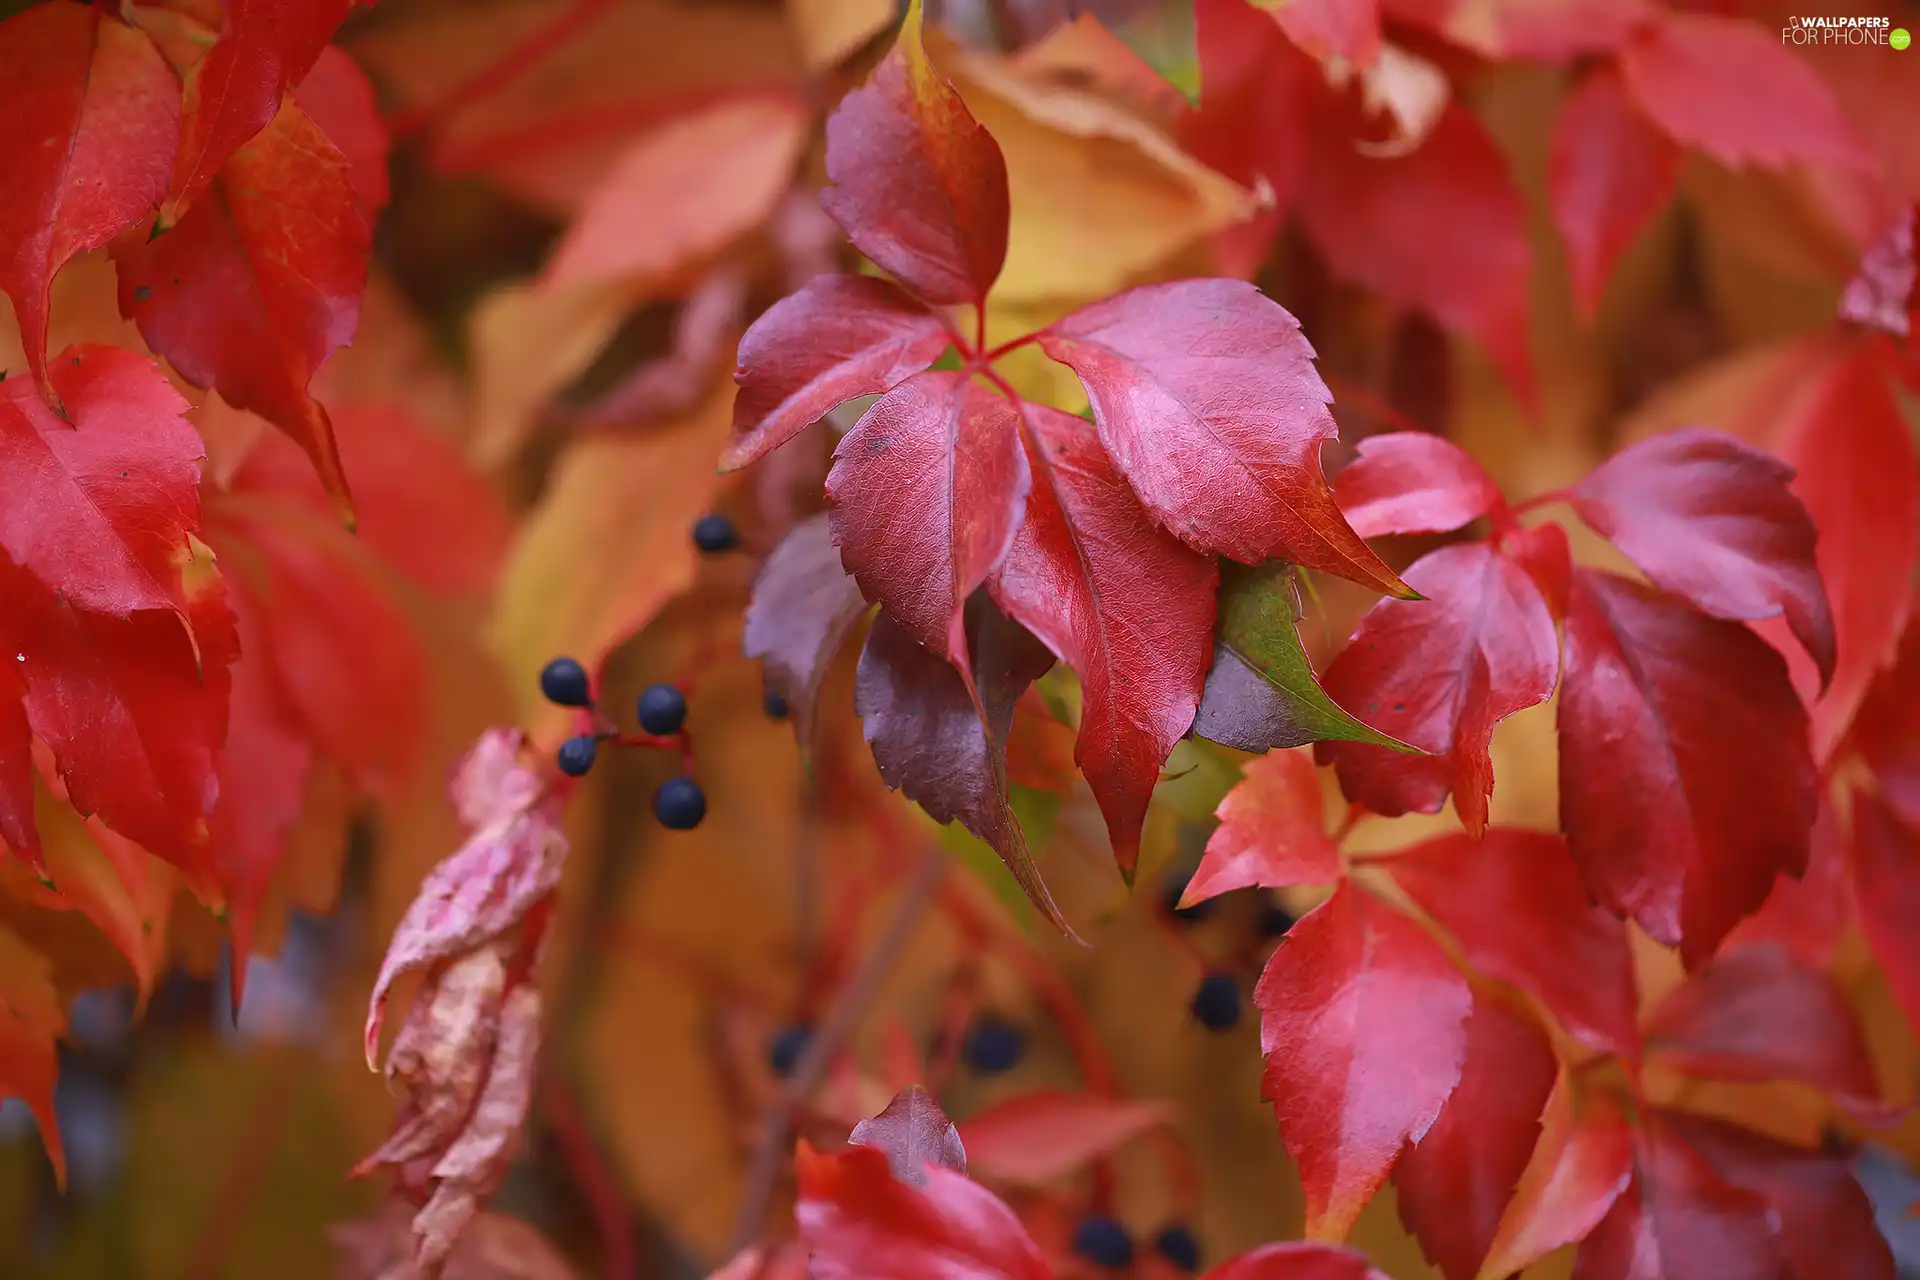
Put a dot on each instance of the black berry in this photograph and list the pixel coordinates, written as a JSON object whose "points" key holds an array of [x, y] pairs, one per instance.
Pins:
{"points": [[776, 705], [564, 682], [993, 1046], [663, 709], [1104, 1242], [1275, 920], [576, 756], [1175, 886], [680, 804], [715, 533], [1176, 1244], [1216, 1005], [783, 1053]]}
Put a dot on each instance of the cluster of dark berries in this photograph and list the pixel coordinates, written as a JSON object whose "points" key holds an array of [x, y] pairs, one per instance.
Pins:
{"points": [[1106, 1242], [679, 804]]}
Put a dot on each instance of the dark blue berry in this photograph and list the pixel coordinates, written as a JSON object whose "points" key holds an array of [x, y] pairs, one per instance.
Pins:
{"points": [[576, 756], [1104, 1242], [564, 682], [663, 709], [715, 533], [1175, 886], [776, 706], [783, 1054], [1275, 920], [1216, 1005], [680, 804], [993, 1046], [1177, 1245]]}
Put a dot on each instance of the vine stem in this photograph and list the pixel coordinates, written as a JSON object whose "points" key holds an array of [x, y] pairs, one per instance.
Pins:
{"points": [[519, 59], [842, 1016], [588, 1164], [266, 1125]]}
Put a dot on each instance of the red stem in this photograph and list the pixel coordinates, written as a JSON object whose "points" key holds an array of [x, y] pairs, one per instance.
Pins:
{"points": [[1024, 340], [1539, 500], [597, 1184], [502, 71]]}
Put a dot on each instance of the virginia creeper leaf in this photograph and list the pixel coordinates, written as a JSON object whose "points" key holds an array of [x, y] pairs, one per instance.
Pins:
{"points": [[928, 736], [338, 97], [1756, 1013], [1886, 872], [1609, 172], [1455, 1183], [803, 606], [1680, 1218], [1261, 692], [265, 48], [93, 117], [30, 1019], [1515, 903], [1713, 521], [1440, 673], [1825, 1221], [1355, 209], [1272, 832], [98, 507], [1347, 29], [1556, 31], [258, 284], [1412, 482], [1363, 1024], [1039, 1137], [914, 1133], [1887, 731], [859, 1221], [839, 338], [1298, 1260], [1685, 782], [1808, 916], [927, 491], [1207, 400], [919, 186], [1580, 1168], [17, 828], [1122, 603], [1736, 92]]}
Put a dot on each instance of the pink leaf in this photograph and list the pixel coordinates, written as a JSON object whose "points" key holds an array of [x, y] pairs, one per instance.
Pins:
{"points": [[915, 1133], [1412, 482], [1610, 171], [1041, 1136], [1272, 832]]}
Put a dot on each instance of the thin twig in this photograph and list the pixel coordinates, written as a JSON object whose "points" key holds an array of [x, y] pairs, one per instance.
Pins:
{"points": [[591, 1175], [842, 1016]]}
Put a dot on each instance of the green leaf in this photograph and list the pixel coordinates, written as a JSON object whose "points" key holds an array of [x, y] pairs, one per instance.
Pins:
{"points": [[1262, 692], [1036, 812]]}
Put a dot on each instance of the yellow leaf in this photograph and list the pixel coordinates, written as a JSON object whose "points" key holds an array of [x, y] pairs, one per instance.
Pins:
{"points": [[528, 342]]}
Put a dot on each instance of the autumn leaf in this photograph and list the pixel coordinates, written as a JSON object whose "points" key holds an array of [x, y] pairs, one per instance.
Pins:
{"points": [[1809, 916], [1038, 1137], [914, 1133], [1440, 673], [94, 117], [30, 1020], [1411, 482], [1206, 397], [1272, 832], [917, 184], [1296, 1261], [927, 491], [1581, 1167], [803, 608], [1515, 903], [1125, 605], [1363, 1024], [1609, 173], [1885, 862], [260, 281], [1556, 32], [338, 97], [1713, 521], [1660, 706], [1325, 29]]}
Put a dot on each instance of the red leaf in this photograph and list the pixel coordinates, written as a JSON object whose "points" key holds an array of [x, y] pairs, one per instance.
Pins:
{"points": [[338, 97], [918, 184], [265, 48], [1609, 172], [1455, 1185], [1881, 293], [1440, 673], [1582, 1165], [17, 829], [99, 507], [1758, 1014], [1348, 29], [1886, 872], [1272, 832], [1363, 1023], [838, 338], [1887, 731], [1680, 1218], [260, 282], [1357, 209], [915, 1133], [803, 606], [1045, 1135], [1808, 916], [927, 490], [1826, 1223], [30, 1019], [1515, 903], [1297, 1261], [931, 740], [1207, 400], [1125, 605], [1713, 521], [93, 117], [1685, 782], [1736, 92], [1556, 31], [861, 1223], [1412, 482]]}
